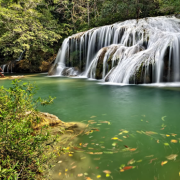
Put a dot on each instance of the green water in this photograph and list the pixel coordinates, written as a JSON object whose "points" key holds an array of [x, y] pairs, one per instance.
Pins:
{"points": [[130, 112]]}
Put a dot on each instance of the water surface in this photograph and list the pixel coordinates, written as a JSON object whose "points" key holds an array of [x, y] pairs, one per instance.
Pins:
{"points": [[144, 119]]}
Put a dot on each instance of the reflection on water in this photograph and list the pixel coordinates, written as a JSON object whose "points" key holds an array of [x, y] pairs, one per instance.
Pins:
{"points": [[137, 128]]}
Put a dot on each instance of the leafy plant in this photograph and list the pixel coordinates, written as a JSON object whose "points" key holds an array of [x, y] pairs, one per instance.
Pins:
{"points": [[21, 149]]}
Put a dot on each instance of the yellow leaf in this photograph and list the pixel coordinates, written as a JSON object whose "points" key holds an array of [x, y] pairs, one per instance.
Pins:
{"points": [[121, 170], [66, 170], [98, 176], [124, 137], [179, 173], [114, 138], [107, 175], [125, 131], [167, 135], [70, 155], [157, 141], [173, 140], [59, 173], [163, 162], [107, 172]]}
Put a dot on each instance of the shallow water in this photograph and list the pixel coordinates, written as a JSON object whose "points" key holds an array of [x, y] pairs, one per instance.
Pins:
{"points": [[139, 116]]}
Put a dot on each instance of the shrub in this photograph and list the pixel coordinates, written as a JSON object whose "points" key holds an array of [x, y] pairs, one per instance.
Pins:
{"points": [[21, 150]]}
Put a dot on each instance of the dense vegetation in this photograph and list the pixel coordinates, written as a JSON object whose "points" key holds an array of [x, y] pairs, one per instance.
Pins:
{"points": [[37, 27], [21, 150]]}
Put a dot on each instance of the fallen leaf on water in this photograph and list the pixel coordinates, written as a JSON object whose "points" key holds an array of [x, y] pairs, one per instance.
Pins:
{"points": [[149, 156], [128, 167], [97, 167], [92, 116], [98, 176], [126, 146], [157, 141], [90, 148], [107, 172], [172, 134], [139, 160], [166, 144], [59, 173], [172, 157], [114, 138], [152, 160], [113, 144], [74, 167], [86, 174], [174, 141], [107, 175], [80, 175], [90, 152], [179, 173], [83, 158], [98, 153], [80, 144], [120, 133], [59, 161], [88, 178], [132, 161], [124, 137], [125, 131], [163, 162], [133, 149], [70, 155], [150, 133], [163, 118], [66, 170], [167, 135], [120, 140], [121, 170]]}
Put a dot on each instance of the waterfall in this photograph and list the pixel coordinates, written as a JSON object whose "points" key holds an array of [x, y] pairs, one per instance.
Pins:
{"points": [[134, 51]]}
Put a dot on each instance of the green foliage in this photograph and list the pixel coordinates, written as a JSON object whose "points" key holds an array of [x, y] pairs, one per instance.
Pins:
{"points": [[21, 150]]}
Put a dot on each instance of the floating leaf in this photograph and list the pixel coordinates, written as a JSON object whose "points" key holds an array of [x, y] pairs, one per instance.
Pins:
{"points": [[107, 152], [121, 170], [139, 160], [74, 167], [157, 141], [59, 161], [132, 161], [80, 175], [92, 116], [163, 162], [59, 173], [124, 137], [107, 175], [149, 156], [114, 138], [174, 141], [172, 157], [113, 144], [107, 172], [126, 146], [128, 167], [167, 135], [88, 178], [141, 120], [122, 166], [98, 176], [90, 152], [166, 144], [70, 155], [133, 149], [98, 153], [163, 118], [120, 133], [172, 134], [125, 131], [66, 170], [83, 158]]}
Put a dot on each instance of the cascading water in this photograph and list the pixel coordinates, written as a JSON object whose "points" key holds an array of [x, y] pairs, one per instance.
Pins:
{"points": [[134, 51]]}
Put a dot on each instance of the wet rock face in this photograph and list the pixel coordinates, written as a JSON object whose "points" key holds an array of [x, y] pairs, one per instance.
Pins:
{"points": [[178, 16]]}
